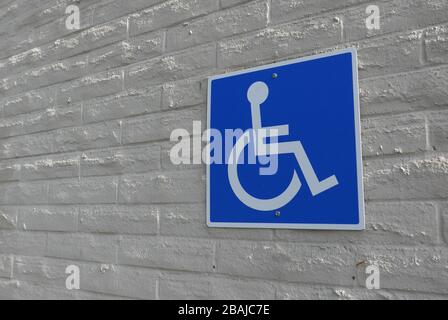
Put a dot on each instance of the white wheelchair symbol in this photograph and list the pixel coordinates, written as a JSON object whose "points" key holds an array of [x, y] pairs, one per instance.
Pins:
{"points": [[257, 94]]}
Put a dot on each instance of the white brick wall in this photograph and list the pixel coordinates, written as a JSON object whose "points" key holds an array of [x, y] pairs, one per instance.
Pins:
{"points": [[85, 176]]}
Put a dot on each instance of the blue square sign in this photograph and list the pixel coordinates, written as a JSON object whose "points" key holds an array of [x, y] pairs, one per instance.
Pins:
{"points": [[292, 156]]}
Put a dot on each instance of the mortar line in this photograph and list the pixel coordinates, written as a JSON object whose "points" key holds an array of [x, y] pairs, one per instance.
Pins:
{"points": [[440, 222], [268, 12], [157, 289], [423, 53], [427, 133]]}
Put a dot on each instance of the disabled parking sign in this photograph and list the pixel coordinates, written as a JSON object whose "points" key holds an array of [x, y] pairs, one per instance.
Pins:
{"points": [[294, 152]]}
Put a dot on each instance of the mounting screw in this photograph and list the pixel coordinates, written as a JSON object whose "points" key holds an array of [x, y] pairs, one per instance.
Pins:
{"points": [[274, 76], [277, 213]]}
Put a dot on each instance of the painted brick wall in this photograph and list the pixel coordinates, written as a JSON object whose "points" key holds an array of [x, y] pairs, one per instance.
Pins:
{"points": [[86, 179]]}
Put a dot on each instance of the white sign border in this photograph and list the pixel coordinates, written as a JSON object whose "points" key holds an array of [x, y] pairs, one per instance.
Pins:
{"points": [[318, 226]]}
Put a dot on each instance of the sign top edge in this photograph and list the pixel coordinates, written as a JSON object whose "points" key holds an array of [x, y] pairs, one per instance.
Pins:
{"points": [[351, 50]]}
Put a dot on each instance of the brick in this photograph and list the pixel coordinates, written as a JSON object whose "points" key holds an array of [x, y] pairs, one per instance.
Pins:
{"points": [[100, 35], [186, 286], [171, 67], [43, 271], [389, 54], [183, 93], [9, 171], [286, 262], [278, 42], [47, 218], [52, 73], [288, 10], [100, 278], [436, 44], [188, 220], [104, 134], [409, 177], [12, 85], [51, 118], [167, 253], [6, 263], [301, 292], [136, 283], [388, 223], [410, 269], [28, 102], [287, 291], [438, 132], [89, 87], [8, 218], [86, 190], [106, 58], [218, 25], [159, 126], [24, 192], [392, 135], [120, 161], [130, 282], [166, 187], [404, 92], [169, 13], [11, 11], [22, 243], [51, 166], [126, 52], [119, 219], [33, 144], [131, 102], [21, 61], [85, 247], [167, 163], [105, 11], [78, 43], [119, 280]]}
